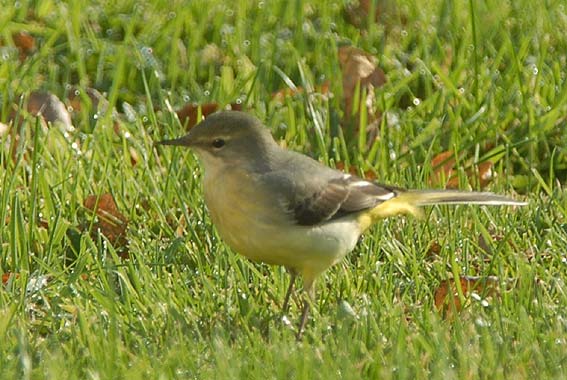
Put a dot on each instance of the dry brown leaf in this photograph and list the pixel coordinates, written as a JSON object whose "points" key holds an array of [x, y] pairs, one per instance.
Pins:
{"points": [[189, 113], [370, 175], [434, 250], [385, 11], [444, 173], [40, 104], [340, 165], [359, 69], [280, 95], [95, 97], [111, 222], [95, 102], [367, 174], [25, 43], [485, 174], [485, 243], [6, 277], [134, 156], [357, 13], [447, 298], [442, 166], [49, 107]]}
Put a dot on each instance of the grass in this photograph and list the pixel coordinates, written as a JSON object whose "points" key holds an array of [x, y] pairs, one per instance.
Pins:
{"points": [[184, 305]]}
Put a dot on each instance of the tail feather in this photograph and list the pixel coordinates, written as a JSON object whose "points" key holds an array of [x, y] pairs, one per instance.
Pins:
{"points": [[408, 202], [434, 197]]}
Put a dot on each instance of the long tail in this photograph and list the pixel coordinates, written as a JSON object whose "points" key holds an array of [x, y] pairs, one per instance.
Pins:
{"points": [[408, 202]]}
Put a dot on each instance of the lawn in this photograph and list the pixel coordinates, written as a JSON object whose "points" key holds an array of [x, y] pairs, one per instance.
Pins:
{"points": [[111, 267]]}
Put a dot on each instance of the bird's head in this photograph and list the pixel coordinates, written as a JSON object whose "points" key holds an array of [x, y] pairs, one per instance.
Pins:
{"points": [[228, 138]]}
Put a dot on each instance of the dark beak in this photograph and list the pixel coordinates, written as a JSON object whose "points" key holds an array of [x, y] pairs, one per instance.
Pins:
{"points": [[182, 141]]}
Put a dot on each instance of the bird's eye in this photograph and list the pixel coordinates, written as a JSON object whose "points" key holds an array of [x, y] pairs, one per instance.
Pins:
{"points": [[218, 143]]}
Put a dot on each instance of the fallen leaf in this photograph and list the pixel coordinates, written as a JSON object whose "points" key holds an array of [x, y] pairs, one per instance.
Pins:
{"points": [[25, 43], [340, 165], [76, 100], [434, 250], [280, 95], [445, 175], [134, 156], [447, 298], [40, 104], [96, 104], [188, 114], [485, 243], [49, 107], [367, 174], [359, 70], [360, 14], [485, 174], [6, 277], [111, 223], [357, 13], [442, 166]]}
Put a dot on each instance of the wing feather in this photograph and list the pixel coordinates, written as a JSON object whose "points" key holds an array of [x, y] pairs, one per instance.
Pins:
{"points": [[340, 196], [310, 193]]}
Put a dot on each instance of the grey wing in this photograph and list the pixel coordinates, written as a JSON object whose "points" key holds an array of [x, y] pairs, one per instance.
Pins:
{"points": [[338, 197]]}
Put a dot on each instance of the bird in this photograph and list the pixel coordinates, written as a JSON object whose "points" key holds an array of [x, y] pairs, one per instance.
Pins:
{"points": [[281, 207]]}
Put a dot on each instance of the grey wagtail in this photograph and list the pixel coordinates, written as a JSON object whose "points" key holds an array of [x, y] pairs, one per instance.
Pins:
{"points": [[284, 208]]}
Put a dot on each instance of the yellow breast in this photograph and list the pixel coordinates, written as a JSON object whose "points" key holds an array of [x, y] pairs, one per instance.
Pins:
{"points": [[254, 224]]}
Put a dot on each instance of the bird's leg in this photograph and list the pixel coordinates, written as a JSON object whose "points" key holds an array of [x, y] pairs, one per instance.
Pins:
{"points": [[308, 298], [293, 275], [303, 320]]}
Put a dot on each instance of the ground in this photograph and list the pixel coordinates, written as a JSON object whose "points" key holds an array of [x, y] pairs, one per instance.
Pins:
{"points": [[112, 269]]}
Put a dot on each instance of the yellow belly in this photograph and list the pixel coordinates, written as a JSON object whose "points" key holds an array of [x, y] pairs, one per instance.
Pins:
{"points": [[257, 227]]}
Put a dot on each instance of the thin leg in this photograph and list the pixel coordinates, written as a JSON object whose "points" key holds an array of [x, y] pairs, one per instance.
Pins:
{"points": [[293, 275], [308, 297], [303, 320]]}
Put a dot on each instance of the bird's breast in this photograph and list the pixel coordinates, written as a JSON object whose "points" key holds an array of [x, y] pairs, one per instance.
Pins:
{"points": [[240, 210], [255, 225]]}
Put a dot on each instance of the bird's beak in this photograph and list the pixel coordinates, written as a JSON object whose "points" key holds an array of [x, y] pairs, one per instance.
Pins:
{"points": [[181, 141]]}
